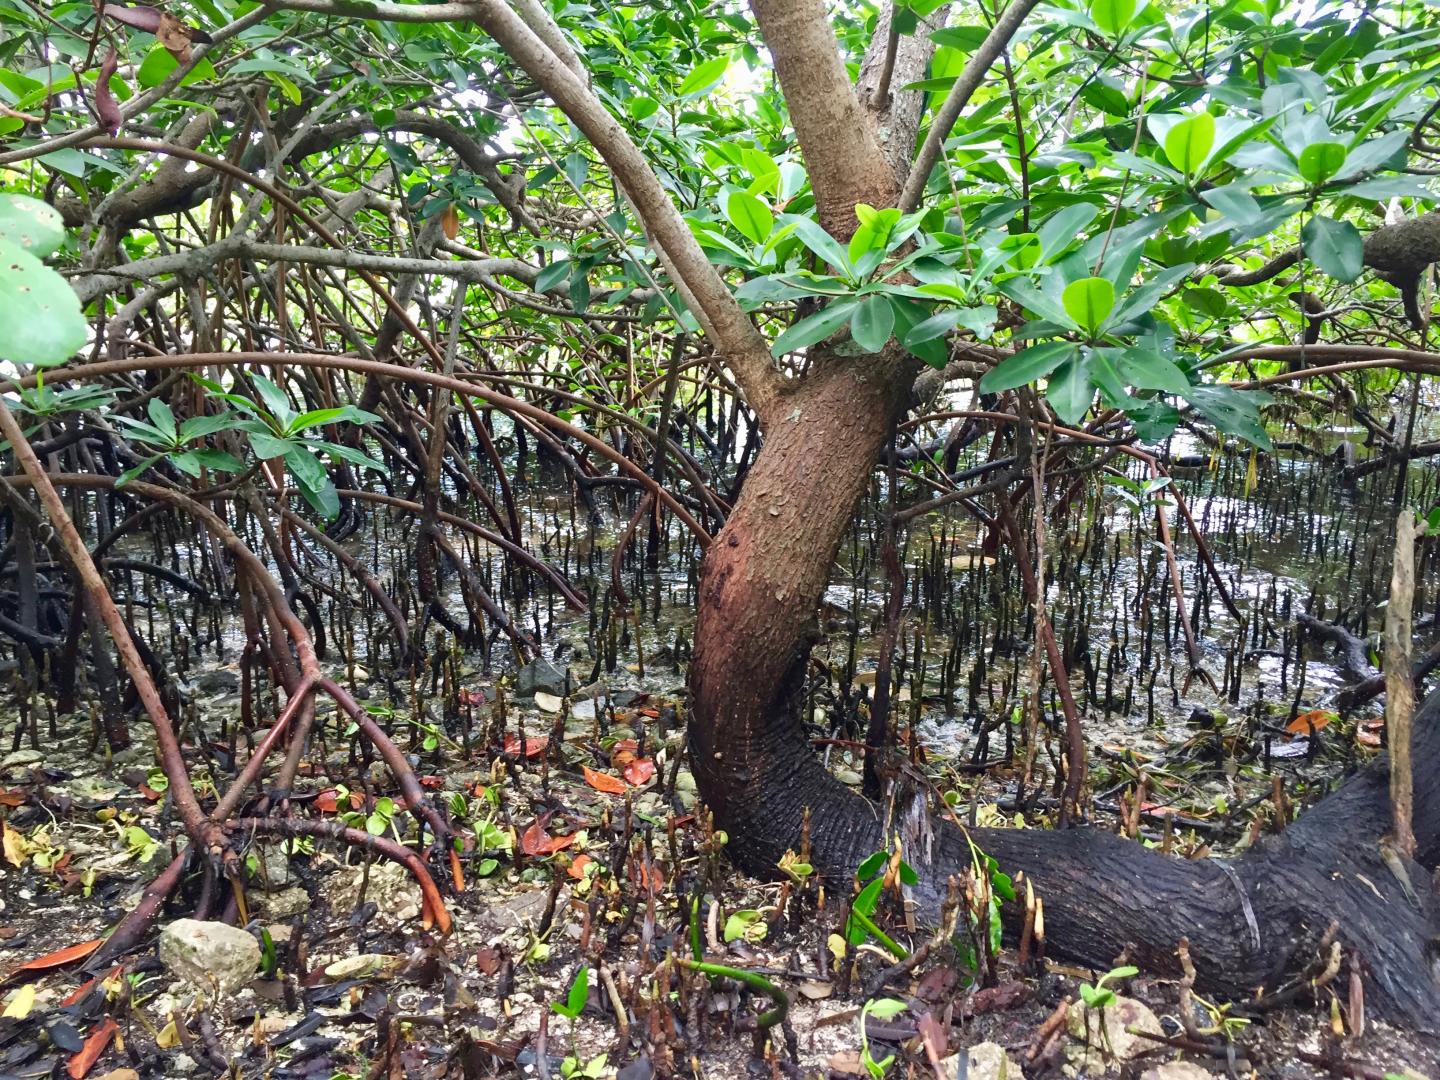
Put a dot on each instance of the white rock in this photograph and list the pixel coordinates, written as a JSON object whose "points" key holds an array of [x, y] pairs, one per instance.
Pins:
{"points": [[1177, 1070], [986, 1061], [210, 956], [1103, 1031], [391, 886]]}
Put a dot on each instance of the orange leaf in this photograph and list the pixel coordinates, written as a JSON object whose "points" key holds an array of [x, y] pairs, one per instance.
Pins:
{"points": [[600, 781], [534, 746], [1367, 738], [94, 1046], [640, 771], [625, 744], [150, 793], [432, 782], [534, 841], [1316, 718], [450, 222], [577, 867], [60, 957], [325, 802]]}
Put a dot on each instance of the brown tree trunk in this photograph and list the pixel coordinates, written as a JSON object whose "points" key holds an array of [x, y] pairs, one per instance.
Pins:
{"points": [[1251, 921]]}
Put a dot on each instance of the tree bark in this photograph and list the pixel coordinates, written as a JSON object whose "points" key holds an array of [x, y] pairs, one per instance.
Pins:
{"points": [[1251, 921]]}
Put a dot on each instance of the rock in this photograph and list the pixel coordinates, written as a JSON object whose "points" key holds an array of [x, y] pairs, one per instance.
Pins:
{"points": [[1177, 1070], [391, 887], [276, 868], [219, 681], [284, 903], [1104, 1031], [211, 956], [984, 1061], [364, 966], [540, 675], [19, 759]]}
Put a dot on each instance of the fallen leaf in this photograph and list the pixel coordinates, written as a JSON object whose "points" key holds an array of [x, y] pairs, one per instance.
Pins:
{"points": [[95, 1045], [640, 771], [16, 849], [432, 782], [535, 841], [1316, 718], [60, 957], [120, 1074], [169, 1036], [534, 745], [543, 701], [12, 799], [20, 1003], [489, 959], [600, 781], [816, 990], [577, 866], [150, 793]]}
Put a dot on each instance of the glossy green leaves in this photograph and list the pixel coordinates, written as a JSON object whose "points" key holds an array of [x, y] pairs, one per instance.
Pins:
{"points": [[41, 314]]}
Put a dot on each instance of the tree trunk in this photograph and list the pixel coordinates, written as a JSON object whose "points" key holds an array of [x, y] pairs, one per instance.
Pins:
{"points": [[1251, 921]]}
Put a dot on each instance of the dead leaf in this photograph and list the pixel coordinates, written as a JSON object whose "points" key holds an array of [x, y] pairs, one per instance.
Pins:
{"points": [[577, 866], [546, 702], [611, 785], [20, 1003], [935, 1036], [534, 745], [450, 222], [489, 959], [640, 771], [175, 36], [535, 841], [16, 849], [1316, 718], [120, 1074], [60, 957], [12, 799], [816, 990], [95, 1045]]}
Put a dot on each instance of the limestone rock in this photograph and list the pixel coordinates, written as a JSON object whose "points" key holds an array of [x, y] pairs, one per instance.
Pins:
{"points": [[392, 888], [1103, 1031], [984, 1061], [1177, 1070], [210, 956]]}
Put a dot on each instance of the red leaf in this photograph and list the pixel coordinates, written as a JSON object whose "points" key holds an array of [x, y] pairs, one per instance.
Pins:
{"points": [[432, 782], [60, 957], [534, 746], [600, 781], [325, 802], [150, 793], [577, 867], [106, 106], [535, 842], [94, 1046], [640, 771]]}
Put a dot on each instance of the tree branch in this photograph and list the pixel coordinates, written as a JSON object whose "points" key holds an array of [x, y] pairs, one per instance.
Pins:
{"points": [[735, 336], [965, 86], [842, 152]]}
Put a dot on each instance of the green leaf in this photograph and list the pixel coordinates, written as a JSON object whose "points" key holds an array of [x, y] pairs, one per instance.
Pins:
{"points": [[1048, 307], [160, 62], [813, 328], [264, 443], [814, 237], [551, 276], [1112, 16], [162, 418], [577, 995], [873, 322], [871, 865], [274, 399], [1189, 143], [1026, 366], [1320, 161], [887, 1008], [39, 311], [1089, 301], [1335, 247], [1151, 371], [704, 77], [1070, 391], [1234, 412], [31, 225], [751, 217]]}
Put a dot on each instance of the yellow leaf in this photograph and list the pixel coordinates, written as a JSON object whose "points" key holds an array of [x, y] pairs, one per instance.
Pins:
{"points": [[169, 1036], [21, 1002], [837, 947], [16, 849]]}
